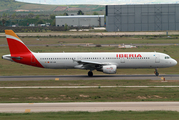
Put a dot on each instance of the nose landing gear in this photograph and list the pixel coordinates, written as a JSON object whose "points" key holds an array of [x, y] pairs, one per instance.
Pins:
{"points": [[156, 72]]}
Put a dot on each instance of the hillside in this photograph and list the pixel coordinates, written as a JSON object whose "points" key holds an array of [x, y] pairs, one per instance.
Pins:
{"points": [[9, 5], [12, 5]]}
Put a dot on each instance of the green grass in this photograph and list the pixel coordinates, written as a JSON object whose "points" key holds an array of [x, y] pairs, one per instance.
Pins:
{"points": [[106, 115], [88, 95], [93, 39], [111, 40], [90, 83]]}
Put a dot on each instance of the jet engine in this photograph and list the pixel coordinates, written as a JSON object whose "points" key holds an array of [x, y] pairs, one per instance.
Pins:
{"points": [[109, 69]]}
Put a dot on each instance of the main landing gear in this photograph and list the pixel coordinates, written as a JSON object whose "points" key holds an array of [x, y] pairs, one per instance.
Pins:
{"points": [[90, 74], [156, 72]]}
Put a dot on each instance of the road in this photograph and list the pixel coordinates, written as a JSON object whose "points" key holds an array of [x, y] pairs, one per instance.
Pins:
{"points": [[88, 106], [85, 77]]}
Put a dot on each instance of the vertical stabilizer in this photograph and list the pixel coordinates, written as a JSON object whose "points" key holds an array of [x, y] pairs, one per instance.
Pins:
{"points": [[16, 46], [19, 51]]}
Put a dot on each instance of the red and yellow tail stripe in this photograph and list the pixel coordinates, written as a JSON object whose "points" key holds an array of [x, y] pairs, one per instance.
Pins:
{"points": [[11, 33], [19, 51], [16, 46]]}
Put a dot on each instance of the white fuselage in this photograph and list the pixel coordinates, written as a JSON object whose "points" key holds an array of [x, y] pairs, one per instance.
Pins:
{"points": [[120, 59]]}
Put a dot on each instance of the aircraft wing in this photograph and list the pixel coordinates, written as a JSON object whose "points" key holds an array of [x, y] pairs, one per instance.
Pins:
{"points": [[89, 64]]}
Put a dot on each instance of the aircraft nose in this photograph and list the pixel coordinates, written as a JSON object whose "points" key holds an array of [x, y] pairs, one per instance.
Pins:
{"points": [[174, 62], [3, 57]]}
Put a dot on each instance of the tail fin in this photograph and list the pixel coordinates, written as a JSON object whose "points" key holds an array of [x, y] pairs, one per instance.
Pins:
{"points": [[16, 46], [19, 51]]}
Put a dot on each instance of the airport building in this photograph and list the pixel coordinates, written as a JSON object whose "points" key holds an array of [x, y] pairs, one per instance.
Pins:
{"points": [[151, 17], [80, 20]]}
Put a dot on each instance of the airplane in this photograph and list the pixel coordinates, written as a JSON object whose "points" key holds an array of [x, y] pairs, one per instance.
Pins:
{"points": [[106, 62]]}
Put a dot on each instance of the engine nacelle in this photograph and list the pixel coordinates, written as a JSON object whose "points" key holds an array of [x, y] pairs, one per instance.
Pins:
{"points": [[109, 69]]}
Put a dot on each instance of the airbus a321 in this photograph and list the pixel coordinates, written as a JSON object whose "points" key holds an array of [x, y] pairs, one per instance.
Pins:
{"points": [[106, 62]]}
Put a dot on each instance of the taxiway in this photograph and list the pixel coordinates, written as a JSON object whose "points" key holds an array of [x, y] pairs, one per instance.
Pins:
{"points": [[85, 77], [88, 106]]}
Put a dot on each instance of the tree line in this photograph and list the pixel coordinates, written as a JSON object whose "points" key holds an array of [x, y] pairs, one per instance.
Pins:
{"points": [[31, 18]]}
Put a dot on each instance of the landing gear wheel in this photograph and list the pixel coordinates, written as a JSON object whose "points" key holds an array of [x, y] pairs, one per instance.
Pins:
{"points": [[90, 74], [156, 72]]}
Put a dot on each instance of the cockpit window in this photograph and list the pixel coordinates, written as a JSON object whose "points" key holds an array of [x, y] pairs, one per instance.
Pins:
{"points": [[167, 57]]}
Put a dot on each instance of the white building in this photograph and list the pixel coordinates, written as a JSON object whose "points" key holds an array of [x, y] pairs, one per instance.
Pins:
{"points": [[80, 20]]}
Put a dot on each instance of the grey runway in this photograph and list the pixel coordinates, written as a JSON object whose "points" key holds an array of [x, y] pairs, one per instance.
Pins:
{"points": [[85, 77], [77, 87], [88, 106]]}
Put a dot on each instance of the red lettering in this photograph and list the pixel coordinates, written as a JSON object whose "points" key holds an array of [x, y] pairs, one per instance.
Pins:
{"points": [[126, 55], [139, 55], [120, 55], [131, 55]]}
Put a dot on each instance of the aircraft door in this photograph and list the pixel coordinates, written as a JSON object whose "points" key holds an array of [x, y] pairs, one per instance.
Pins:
{"points": [[122, 60], [79, 58], [157, 58], [33, 59]]}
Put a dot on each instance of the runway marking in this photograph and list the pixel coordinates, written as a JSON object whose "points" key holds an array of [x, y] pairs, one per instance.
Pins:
{"points": [[61, 87], [31, 103], [27, 110]]}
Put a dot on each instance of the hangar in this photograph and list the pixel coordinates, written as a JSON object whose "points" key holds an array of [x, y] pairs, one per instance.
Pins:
{"points": [[80, 20], [147, 17]]}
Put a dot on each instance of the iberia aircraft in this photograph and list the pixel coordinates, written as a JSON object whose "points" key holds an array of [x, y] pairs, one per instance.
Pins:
{"points": [[106, 62]]}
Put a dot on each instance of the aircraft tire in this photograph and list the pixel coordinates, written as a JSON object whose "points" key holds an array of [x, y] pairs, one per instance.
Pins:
{"points": [[90, 74], [157, 74]]}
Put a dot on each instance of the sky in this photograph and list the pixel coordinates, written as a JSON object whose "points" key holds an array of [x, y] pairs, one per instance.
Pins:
{"points": [[102, 2]]}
